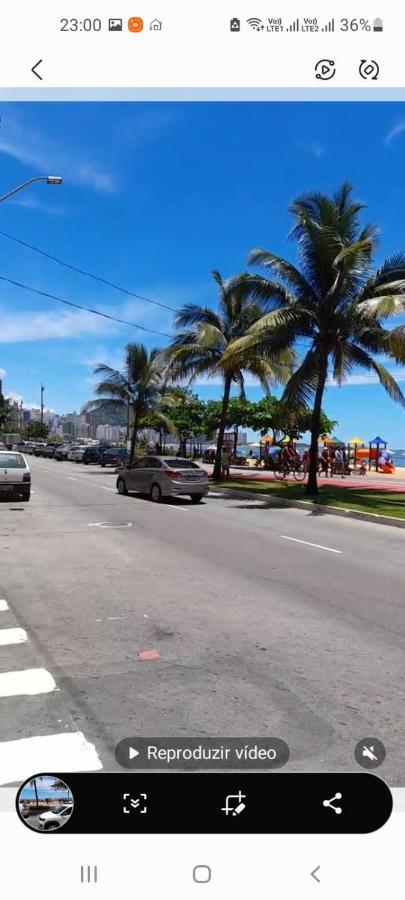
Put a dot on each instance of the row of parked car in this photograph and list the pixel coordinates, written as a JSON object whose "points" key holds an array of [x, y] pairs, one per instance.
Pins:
{"points": [[99, 455]]}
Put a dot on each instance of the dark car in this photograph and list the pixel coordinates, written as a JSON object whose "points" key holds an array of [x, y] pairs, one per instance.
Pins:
{"points": [[90, 455], [49, 450], [114, 456], [62, 451]]}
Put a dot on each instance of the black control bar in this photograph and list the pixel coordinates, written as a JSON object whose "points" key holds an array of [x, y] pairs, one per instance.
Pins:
{"points": [[240, 803]]}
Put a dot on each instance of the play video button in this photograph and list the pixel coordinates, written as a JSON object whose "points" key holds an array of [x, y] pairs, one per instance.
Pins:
{"points": [[127, 755], [325, 69]]}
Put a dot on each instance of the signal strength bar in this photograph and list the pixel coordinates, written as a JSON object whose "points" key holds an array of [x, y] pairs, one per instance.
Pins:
{"points": [[330, 26], [295, 26]]}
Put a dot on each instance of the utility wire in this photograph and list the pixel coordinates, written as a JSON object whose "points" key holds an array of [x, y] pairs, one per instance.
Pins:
{"points": [[95, 312], [66, 265]]}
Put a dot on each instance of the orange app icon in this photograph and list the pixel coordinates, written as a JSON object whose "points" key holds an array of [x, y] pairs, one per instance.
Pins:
{"points": [[135, 24]]}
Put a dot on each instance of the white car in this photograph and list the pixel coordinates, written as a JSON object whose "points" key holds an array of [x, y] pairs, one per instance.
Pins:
{"points": [[75, 454], [54, 818], [15, 475]]}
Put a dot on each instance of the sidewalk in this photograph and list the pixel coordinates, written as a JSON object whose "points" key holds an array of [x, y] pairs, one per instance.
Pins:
{"points": [[373, 480]]}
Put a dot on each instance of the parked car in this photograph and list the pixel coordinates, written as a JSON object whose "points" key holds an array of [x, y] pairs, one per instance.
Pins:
{"points": [[114, 456], [90, 455], [49, 450], [39, 448], [72, 450], [15, 475], [62, 451], [164, 476], [54, 818], [27, 447], [76, 454]]}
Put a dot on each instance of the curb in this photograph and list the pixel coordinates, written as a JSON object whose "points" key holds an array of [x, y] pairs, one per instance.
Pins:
{"points": [[374, 518]]}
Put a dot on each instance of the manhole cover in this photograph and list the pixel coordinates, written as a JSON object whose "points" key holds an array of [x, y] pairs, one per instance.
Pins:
{"points": [[110, 525]]}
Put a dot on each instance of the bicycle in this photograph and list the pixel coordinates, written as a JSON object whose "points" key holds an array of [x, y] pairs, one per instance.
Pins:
{"points": [[298, 471]]}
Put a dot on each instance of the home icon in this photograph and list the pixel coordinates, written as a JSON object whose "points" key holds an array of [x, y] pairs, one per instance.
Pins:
{"points": [[155, 25]]}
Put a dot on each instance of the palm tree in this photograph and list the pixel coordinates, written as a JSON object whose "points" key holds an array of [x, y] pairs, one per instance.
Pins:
{"points": [[335, 302], [137, 390], [59, 785], [33, 786], [205, 335], [5, 412]]}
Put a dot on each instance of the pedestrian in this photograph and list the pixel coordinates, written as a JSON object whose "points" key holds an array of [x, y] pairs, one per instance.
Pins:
{"points": [[225, 462], [305, 460], [362, 469], [325, 461], [339, 462]]}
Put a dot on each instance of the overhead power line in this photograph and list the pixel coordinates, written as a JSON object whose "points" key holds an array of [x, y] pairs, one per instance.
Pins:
{"points": [[95, 312], [61, 262]]}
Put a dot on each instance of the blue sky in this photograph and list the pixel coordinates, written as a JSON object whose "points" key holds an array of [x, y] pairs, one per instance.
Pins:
{"points": [[154, 197], [45, 789]]}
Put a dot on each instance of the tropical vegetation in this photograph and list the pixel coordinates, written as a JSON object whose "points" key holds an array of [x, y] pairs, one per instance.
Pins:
{"points": [[202, 347], [335, 302]]}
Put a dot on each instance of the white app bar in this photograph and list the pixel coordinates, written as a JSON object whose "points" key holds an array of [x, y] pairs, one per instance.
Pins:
{"points": [[228, 45]]}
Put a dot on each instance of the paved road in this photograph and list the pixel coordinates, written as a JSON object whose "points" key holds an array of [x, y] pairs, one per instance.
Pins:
{"points": [[267, 622]]}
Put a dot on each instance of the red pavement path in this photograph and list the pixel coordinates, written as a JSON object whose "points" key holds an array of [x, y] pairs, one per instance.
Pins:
{"points": [[348, 482]]}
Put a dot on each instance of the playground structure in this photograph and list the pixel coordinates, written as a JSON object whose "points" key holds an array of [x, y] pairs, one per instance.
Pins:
{"points": [[374, 455]]}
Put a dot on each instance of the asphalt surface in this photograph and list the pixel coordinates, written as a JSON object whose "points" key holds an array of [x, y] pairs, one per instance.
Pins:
{"points": [[258, 631]]}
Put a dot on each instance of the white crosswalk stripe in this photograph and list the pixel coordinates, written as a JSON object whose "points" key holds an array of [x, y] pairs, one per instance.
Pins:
{"points": [[30, 701]]}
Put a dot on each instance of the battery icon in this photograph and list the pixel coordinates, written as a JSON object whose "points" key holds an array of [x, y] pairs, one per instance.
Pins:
{"points": [[378, 25]]}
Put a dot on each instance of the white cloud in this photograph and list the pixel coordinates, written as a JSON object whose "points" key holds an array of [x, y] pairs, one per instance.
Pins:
{"points": [[49, 157], [3, 373], [40, 326], [360, 378], [30, 202], [397, 129]]}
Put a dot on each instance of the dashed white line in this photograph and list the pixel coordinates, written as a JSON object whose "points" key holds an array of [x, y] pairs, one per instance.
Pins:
{"points": [[12, 636], [3, 606], [71, 478], [67, 752], [104, 488], [27, 681], [309, 544]]}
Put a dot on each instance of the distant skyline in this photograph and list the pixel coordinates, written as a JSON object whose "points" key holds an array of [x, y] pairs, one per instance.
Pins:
{"points": [[154, 197]]}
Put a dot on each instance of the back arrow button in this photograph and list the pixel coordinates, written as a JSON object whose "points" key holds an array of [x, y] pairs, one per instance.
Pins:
{"points": [[34, 69], [314, 875]]}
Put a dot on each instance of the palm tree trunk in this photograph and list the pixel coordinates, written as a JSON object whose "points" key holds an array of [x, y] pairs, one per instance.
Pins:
{"points": [[221, 431], [312, 486], [134, 435], [235, 441], [128, 419]]}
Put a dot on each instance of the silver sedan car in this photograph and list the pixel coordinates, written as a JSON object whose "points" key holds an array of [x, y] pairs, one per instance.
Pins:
{"points": [[164, 476]]}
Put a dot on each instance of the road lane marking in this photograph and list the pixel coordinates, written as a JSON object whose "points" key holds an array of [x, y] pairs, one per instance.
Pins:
{"points": [[104, 488], [72, 478], [109, 525], [12, 636], [309, 544], [66, 752], [3, 606], [27, 681]]}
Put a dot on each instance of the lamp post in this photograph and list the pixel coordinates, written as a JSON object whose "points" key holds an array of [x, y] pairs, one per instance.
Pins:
{"points": [[48, 179], [42, 404]]}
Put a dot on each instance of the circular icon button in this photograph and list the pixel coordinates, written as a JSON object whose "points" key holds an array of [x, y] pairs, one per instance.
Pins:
{"points": [[325, 69], [135, 24], [369, 69], [370, 753]]}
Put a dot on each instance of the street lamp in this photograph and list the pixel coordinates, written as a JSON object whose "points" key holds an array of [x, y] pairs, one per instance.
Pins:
{"points": [[49, 179]]}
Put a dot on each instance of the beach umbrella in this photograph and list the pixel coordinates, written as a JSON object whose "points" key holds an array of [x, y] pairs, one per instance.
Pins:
{"points": [[355, 442]]}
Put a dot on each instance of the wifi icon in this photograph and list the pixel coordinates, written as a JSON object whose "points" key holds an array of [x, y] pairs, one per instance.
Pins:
{"points": [[254, 23]]}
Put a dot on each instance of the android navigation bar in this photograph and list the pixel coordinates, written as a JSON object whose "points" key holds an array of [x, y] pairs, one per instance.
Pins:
{"points": [[202, 753]]}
